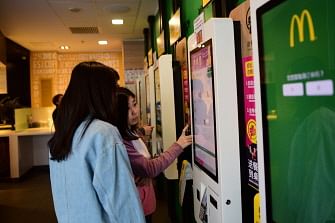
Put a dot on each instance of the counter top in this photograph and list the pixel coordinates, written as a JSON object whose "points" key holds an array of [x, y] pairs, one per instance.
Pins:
{"points": [[5, 127], [29, 131]]}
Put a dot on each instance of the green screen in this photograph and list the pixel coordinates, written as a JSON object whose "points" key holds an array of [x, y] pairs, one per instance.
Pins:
{"points": [[297, 57]]}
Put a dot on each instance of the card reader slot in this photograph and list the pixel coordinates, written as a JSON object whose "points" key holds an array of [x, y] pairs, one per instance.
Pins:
{"points": [[213, 201]]}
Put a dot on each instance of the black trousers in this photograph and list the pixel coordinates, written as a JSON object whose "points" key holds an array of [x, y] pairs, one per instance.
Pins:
{"points": [[148, 218]]}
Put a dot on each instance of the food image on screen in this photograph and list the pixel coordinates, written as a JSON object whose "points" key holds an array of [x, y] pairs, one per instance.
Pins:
{"points": [[203, 116], [297, 61]]}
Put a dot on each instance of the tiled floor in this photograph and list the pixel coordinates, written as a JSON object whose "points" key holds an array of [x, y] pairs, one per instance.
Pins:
{"points": [[29, 200]]}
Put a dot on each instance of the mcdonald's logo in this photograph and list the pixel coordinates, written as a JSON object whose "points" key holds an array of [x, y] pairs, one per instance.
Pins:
{"points": [[300, 22]]}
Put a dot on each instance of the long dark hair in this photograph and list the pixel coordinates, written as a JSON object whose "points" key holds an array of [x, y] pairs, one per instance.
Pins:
{"points": [[127, 133], [89, 95]]}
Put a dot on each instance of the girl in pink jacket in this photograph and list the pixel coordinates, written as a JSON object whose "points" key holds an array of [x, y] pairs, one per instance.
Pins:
{"points": [[144, 167]]}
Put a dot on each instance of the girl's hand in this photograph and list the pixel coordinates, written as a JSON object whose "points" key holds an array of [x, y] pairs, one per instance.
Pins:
{"points": [[148, 129], [184, 140]]}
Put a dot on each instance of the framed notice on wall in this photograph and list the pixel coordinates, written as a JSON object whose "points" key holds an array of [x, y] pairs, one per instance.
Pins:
{"points": [[160, 44], [150, 60], [3, 79], [174, 27], [205, 2]]}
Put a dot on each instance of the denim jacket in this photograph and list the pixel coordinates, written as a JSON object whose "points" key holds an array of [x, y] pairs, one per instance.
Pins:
{"points": [[95, 183]]}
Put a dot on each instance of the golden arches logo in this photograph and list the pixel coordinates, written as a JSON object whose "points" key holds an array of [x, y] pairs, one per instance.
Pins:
{"points": [[300, 24]]}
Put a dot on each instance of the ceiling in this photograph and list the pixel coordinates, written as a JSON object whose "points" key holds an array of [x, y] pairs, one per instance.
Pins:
{"points": [[44, 25]]}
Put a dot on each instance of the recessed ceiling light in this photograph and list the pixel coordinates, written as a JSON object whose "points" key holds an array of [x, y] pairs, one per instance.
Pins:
{"points": [[102, 42], [64, 47], [117, 21]]}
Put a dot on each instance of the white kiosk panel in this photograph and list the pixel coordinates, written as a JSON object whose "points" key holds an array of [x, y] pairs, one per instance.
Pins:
{"points": [[216, 163], [167, 116]]}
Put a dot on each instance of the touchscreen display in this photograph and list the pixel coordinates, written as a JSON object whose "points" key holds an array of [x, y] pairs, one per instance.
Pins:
{"points": [[202, 84]]}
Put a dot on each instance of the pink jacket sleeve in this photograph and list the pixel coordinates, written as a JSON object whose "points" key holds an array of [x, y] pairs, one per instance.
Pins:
{"points": [[144, 167]]}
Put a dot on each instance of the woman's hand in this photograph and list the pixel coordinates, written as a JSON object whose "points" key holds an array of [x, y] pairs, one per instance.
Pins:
{"points": [[184, 140], [147, 130]]}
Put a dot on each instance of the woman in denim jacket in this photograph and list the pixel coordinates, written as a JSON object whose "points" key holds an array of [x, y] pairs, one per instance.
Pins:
{"points": [[90, 173]]}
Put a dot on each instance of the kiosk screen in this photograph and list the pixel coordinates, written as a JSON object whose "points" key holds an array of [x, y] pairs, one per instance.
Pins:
{"points": [[158, 103], [147, 92], [297, 65], [202, 85]]}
